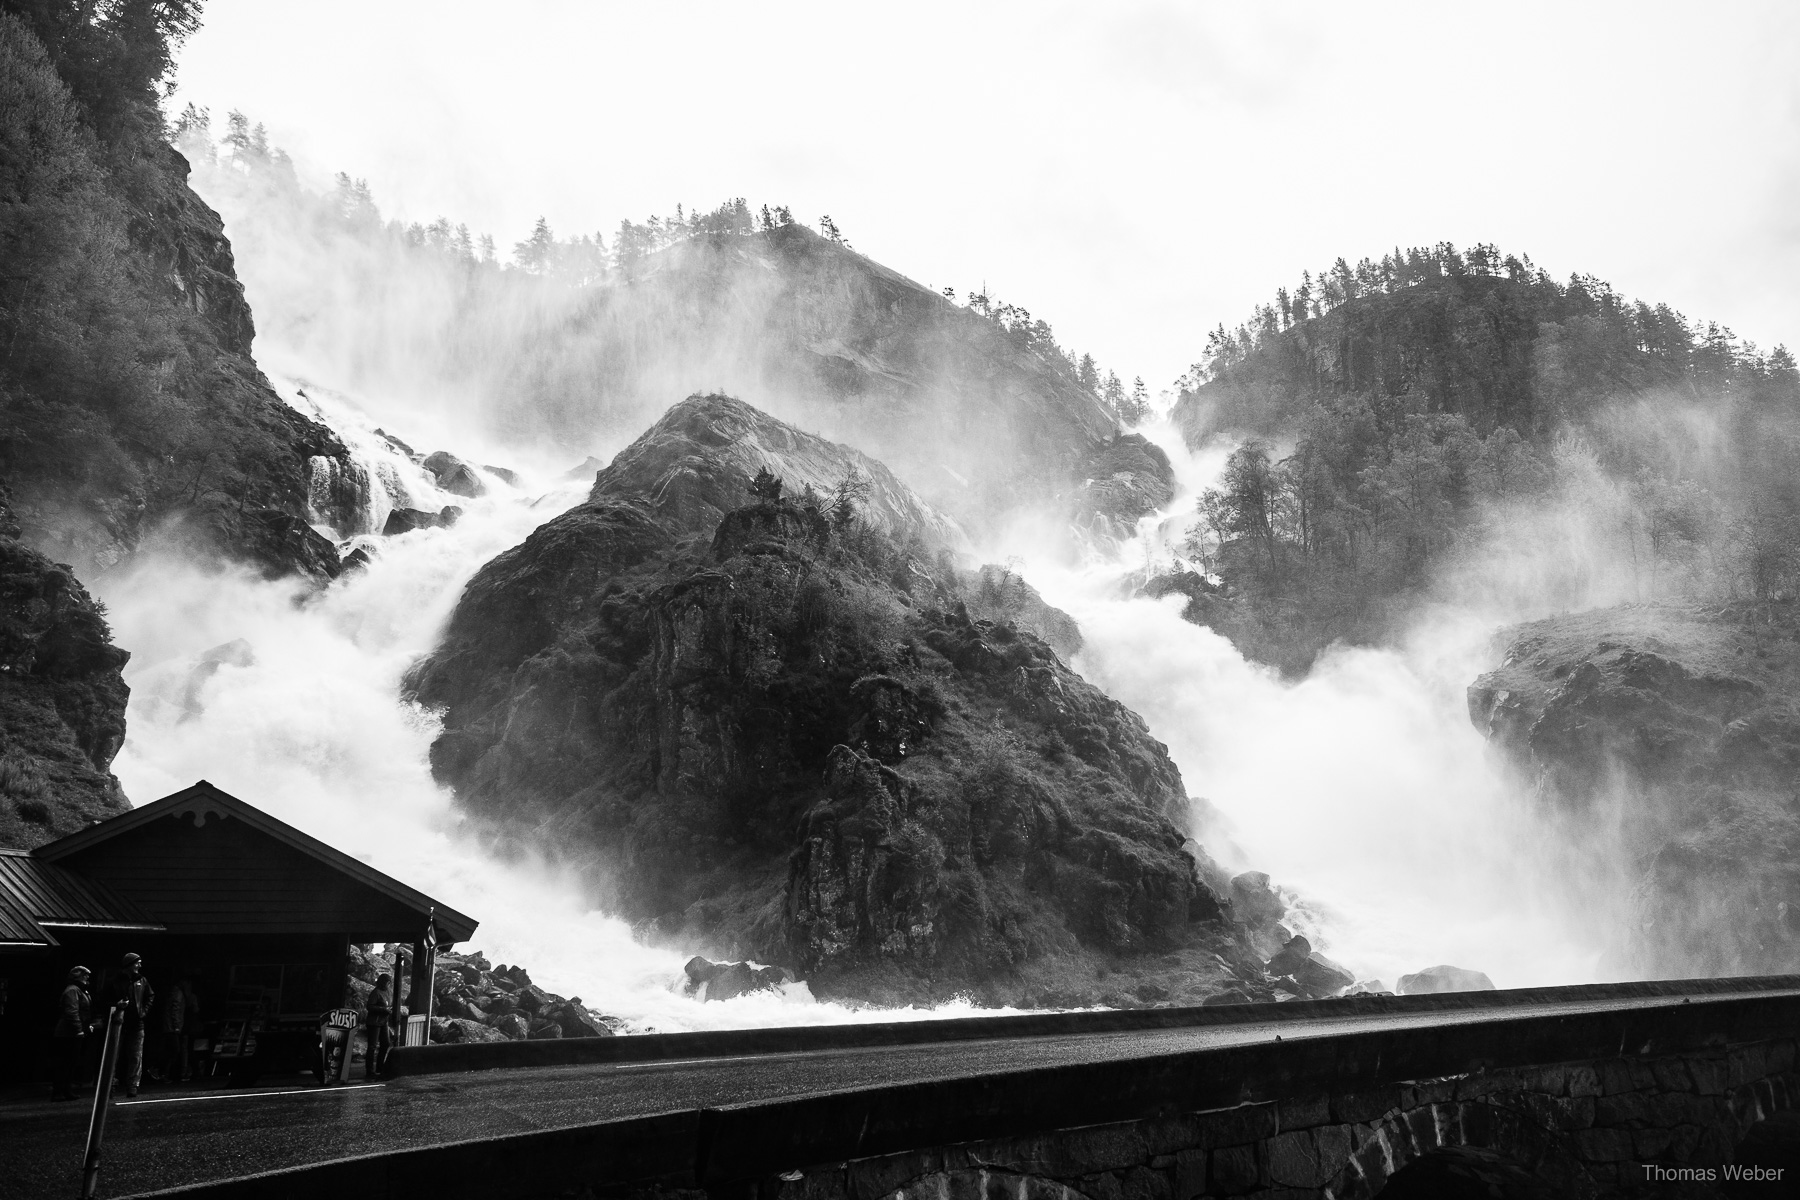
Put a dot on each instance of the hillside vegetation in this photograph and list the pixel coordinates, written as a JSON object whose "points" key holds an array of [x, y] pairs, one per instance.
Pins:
{"points": [[129, 404], [1401, 418], [975, 403]]}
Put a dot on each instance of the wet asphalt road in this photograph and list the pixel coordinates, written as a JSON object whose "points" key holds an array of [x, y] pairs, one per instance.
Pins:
{"points": [[165, 1141]]}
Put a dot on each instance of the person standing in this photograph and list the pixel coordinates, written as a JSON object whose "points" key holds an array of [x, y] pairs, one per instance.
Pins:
{"points": [[172, 1056], [74, 1019], [132, 993], [380, 1008]]}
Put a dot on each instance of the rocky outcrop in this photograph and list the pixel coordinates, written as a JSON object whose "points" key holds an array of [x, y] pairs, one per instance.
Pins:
{"points": [[453, 474], [474, 1001], [62, 699], [709, 980], [969, 414], [133, 409], [1668, 738], [769, 723], [1444, 978], [1124, 478], [405, 520]]}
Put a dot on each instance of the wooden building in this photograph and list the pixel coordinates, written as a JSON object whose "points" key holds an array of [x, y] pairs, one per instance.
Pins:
{"points": [[204, 886]]}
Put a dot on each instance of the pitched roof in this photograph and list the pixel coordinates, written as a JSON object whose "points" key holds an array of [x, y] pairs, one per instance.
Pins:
{"points": [[37, 898], [203, 800]]}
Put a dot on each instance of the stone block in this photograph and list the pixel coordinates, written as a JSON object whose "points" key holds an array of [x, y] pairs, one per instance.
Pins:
{"points": [[867, 1178], [1584, 1080], [1562, 1112], [1434, 1091], [1620, 1108], [1234, 1126], [1552, 1080], [1684, 1141], [1602, 1145], [1190, 1174], [1235, 1171], [1652, 1144], [1080, 1151], [1167, 1135], [1308, 1158], [1106, 1185], [1709, 1075], [1352, 1108], [1781, 1058], [1671, 1075], [1146, 1183], [1371, 1159], [1745, 1064], [818, 1183], [1303, 1112], [1615, 1076], [1422, 1125]]}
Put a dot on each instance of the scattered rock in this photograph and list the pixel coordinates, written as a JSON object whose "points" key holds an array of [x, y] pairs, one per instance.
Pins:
{"points": [[405, 520], [1322, 977], [721, 981], [453, 474], [1254, 902], [461, 1029], [359, 558], [1291, 956], [501, 1001], [397, 444], [1433, 980], [510, 478]]}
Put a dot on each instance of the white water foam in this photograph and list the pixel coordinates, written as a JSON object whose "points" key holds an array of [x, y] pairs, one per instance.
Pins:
{"points": [[303, 718], [1363, 790]]}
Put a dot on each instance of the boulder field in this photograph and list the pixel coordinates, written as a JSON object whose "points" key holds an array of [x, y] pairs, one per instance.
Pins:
{"points": [[744, 686]]}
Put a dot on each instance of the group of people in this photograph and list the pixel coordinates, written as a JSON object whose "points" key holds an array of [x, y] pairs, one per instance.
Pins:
{"points": [[81, 1027]]}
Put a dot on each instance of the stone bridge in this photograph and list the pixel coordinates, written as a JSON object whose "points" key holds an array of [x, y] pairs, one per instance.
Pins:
{"points": [[1629, 1089]]}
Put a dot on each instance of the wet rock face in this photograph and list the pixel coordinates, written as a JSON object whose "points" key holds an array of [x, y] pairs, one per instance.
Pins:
{"points": [[723, 981], [782, 733], [1670, 736], [62, 700], [1124, 478], [453, 474]]}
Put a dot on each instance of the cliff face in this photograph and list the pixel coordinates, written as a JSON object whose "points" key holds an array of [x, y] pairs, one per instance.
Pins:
{"points": [[62, 699], [131, 405], [775, 730], [830, 340], [1680, 726]]}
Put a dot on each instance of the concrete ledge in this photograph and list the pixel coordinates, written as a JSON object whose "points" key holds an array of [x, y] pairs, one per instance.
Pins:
{"points": [[660, 1047], [719, 1148]]}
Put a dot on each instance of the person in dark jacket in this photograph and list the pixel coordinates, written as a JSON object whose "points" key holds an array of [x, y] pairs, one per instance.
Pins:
{"points": [[381, 1030], [133, 993], [74, 1019]]}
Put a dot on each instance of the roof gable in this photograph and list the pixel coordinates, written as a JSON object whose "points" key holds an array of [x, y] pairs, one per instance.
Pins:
{"points": [[242, 865]]}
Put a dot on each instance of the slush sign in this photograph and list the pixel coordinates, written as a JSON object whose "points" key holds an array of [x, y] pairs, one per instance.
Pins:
{"points": [[337, 1028]]}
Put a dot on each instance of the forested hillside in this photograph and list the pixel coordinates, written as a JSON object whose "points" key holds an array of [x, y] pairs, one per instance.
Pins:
{"points": [[566, 341], [129, 405], [1403, 416]]}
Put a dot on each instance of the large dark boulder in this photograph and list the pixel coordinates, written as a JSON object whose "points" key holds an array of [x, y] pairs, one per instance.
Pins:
{"points": [[1664, 742], [772, 725]]}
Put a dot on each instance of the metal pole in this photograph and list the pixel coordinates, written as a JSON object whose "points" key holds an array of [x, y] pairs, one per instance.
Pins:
{"points": [[109, 1063]]}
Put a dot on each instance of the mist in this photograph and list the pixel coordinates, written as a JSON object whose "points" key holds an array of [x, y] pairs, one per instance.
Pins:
{"points": [[1362, 788]]}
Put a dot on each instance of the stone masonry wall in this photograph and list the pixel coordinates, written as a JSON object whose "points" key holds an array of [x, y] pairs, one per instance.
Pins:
{"points": [[1578, 1129]]}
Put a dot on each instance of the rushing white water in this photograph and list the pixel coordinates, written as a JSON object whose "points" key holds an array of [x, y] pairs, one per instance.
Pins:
{"points": [[291, 701], [1363, 790]]}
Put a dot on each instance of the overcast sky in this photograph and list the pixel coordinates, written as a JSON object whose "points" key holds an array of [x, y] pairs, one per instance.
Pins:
{"points": [[1135, 173]]}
